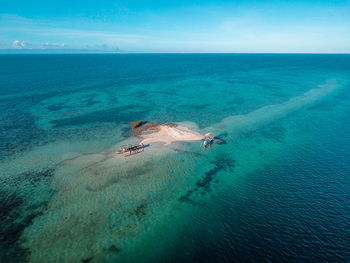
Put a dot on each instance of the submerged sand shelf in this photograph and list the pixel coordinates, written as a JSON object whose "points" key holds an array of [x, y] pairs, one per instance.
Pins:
{"points": [[167, 133], [107, 208]]}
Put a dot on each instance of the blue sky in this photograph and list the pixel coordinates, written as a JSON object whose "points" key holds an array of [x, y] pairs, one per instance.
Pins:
{"points": [[177, 26]]}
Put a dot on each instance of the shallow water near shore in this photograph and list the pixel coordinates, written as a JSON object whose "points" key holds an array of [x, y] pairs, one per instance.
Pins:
{"points": [[277, 190]]}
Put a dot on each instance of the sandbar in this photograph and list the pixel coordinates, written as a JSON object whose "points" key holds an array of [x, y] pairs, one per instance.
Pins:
{"points": [[168, 133]]}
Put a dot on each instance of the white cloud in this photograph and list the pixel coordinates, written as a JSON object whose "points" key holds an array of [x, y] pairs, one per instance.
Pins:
{"points": [[48, 45], [249, 31], [16, 43], [19, 44]]}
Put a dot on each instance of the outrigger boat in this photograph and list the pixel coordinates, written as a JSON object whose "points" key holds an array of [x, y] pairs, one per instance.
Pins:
{"points": [[208, 140], [128, 148]]}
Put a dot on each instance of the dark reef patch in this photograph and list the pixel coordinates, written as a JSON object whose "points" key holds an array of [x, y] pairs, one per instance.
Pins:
{"points": [[278, 95], [17, 213], [140, 211], [222, 135], [116, 115], [8, 233], [324, 106], [36, 176], [238, 101], [186, 198], [90, 100], [56, 107], [17, 131], [222, 163], [114, 248], [14, 218], [198, 107], [219, 140], [87, 260]]}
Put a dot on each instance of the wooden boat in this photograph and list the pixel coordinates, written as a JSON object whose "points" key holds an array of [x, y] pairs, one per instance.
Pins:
{"points": [[208, 140], [131, 149]]}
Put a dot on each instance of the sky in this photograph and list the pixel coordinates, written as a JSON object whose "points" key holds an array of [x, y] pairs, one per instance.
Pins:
{"points": [[206, 26]]}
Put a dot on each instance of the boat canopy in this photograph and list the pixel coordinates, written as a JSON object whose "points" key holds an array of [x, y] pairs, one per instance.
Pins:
{"points": [[210, 136]]}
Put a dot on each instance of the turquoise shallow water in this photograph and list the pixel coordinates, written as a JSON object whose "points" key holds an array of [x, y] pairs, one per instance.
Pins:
{"points": [[277, 191]]}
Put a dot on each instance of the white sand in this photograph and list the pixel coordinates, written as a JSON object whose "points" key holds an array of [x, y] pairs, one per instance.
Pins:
{"points": [[169, 135]]}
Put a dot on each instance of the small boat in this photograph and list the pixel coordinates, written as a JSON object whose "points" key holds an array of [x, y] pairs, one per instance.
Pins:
{"points": [[208, 140], [131, 149], [206, 143]]}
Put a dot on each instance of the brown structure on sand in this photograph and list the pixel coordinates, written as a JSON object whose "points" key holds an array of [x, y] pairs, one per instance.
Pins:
{"points": [[148, 127]]}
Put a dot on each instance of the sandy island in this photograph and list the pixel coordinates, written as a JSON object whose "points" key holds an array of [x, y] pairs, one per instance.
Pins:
{"points": [[167, 133]]}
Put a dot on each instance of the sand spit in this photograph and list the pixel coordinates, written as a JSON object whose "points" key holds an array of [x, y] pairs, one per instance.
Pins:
{"points": [[166, 133], [255, 119]]}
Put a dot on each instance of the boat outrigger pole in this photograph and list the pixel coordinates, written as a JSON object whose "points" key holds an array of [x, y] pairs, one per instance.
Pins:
{"points": [[128, 148]]}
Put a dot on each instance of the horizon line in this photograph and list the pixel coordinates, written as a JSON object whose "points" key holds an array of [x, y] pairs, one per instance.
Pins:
{"points": [[97, 52]]}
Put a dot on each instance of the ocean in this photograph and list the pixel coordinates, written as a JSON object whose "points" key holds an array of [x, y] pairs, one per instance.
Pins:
{"points": [[277, 190]]}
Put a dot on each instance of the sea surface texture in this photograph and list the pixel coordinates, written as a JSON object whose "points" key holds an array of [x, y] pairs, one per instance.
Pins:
{"points": [[278, 190]]}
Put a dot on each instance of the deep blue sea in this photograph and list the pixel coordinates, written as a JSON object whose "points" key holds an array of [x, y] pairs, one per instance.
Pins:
{"points": [[278, 190]]}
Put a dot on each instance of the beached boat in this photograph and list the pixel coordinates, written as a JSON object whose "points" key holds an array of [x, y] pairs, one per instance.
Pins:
{"points": [[208, 140], [131, 149]]}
